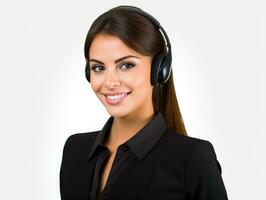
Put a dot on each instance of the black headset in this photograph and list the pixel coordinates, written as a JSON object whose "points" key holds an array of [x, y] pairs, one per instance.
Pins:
{"points": [[161, 63]]}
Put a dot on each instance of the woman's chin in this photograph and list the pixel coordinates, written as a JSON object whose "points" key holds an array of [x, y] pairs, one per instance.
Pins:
{"points": [[116, 112]]}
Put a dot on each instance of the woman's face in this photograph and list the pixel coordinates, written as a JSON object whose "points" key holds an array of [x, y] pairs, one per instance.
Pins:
{"points": [[120, 77]]}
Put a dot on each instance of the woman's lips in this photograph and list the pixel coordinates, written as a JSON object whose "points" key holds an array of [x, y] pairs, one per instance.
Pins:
{"points": [[116, 99]]}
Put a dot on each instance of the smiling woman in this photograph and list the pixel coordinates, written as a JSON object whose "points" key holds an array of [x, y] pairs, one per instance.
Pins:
{"points": [[142, 151]]}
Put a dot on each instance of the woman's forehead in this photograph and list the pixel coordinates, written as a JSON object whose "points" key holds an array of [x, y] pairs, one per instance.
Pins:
{"points": [[105, 45]]}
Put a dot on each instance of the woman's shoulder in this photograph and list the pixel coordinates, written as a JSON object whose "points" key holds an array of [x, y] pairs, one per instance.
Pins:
{"points": [[82, 137], [192, 148], [202, 170], [80, 141], [185, 141]]}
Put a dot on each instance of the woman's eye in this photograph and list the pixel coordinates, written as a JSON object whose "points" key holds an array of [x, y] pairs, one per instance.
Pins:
{"points": [[97, 68], [127, 65]]}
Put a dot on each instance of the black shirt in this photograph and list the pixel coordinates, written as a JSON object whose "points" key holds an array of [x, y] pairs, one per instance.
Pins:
{"points": [[138, 145], [156, 163]]}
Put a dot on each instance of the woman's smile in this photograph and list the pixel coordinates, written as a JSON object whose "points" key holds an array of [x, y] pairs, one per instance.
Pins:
{"points": [[116, 99]]}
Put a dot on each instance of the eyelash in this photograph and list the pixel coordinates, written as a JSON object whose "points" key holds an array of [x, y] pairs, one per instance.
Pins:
{"points": [[94, 67]]}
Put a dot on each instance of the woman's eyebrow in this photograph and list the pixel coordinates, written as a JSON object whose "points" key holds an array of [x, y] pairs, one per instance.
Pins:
{"points": [[116, 61]]}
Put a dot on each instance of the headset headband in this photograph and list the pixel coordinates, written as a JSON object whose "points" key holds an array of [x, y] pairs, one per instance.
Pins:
{"points": [[154, 22]]}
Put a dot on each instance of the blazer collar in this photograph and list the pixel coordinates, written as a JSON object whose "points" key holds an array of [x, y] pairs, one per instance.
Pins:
{"points": [[141, 143]]}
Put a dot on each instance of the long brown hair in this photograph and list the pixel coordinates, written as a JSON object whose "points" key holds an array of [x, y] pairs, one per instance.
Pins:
{"points": [[138, 33]]}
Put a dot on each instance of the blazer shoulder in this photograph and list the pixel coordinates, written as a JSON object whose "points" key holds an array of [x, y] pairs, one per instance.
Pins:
{"points": [[82, 137], [187, 143], [80, 141], [190, 147], [202, 170]]}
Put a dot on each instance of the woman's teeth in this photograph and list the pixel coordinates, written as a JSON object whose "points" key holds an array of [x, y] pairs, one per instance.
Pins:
{"points": [[116, 96]]}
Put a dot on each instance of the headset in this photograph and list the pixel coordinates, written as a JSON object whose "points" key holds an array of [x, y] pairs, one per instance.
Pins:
{"points": [[161, 63]]}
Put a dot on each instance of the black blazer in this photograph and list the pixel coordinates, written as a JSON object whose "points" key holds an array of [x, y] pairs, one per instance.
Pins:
{"points": [[169, 167]]}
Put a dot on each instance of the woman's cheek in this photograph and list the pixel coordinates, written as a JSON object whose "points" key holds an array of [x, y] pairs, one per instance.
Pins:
{"points": [[96, 83]]}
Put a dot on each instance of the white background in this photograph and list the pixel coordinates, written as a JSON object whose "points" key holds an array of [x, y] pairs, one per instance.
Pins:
{"points": [[219, 50]]}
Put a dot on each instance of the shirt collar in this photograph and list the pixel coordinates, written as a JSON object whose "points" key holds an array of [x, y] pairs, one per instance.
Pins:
{"points": [[142, 142]]}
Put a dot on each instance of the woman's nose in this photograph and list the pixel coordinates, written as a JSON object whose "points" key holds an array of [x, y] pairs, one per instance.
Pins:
{"points": [[112, 79]]}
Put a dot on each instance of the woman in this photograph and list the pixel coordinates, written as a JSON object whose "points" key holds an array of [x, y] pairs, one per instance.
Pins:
{"points": [[143, 151]]}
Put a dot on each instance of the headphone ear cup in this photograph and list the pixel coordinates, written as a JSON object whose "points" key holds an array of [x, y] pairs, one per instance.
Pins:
{"points": [[87, 71], [156, 68], [165, 69]]}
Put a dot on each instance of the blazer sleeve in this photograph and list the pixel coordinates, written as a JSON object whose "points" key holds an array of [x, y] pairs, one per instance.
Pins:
{"points": [[65, 162], [203, 180], [61, 176]]}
